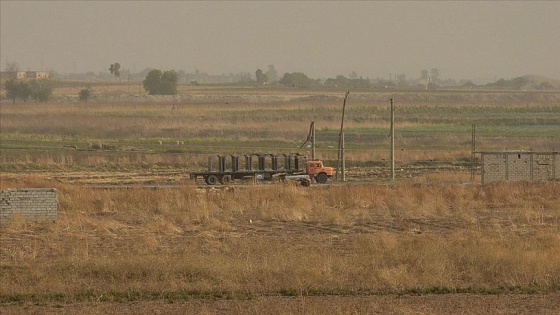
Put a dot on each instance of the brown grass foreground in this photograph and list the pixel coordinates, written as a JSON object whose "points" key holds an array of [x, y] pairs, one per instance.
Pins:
{"points": [[250, 243]]}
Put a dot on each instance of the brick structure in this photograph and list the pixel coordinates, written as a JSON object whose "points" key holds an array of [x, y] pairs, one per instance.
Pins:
{"points": [[520, 165], [36, 204], [24, 75]]}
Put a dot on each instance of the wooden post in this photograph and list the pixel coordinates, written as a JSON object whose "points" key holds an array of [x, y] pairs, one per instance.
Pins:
{"points": [[473, 150], [392, 140], [343, 158]]}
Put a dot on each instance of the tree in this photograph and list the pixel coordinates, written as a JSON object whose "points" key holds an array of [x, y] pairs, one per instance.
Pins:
{"points": [[434, 75], [12, 66], [401, 79], [17, 89], [24, 90], [342, 81], [152, 82], [261, 77], [85, 94], [513, 84], [469, 84], [545, 86], [161, 83], [169, 83], [295, 79], [271, 74], [12, 89], [115, 70], [41, 89]]}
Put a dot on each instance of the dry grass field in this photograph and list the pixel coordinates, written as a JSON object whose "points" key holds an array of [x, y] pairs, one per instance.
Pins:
{"points": [[281, 247], [135, 236]]}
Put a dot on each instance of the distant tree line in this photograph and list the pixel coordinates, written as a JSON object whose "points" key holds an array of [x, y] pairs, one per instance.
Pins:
{"points": [[517, 84], [514, 84], [157, 82], [342, 81]]}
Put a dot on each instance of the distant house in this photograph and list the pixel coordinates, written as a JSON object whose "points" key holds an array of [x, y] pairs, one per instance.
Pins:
{"points": [[36, 74], [24, 75], [12, 75]]}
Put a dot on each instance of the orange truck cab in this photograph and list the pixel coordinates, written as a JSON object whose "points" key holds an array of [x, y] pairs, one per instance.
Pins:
{"points": [[316, 170]]}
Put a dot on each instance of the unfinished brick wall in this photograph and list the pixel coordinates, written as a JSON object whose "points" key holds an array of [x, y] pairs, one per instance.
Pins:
{"points": [[493, 167], [515, 166], [36, 204]]}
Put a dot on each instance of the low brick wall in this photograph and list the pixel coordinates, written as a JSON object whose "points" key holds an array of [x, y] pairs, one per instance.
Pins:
{"points": [[36, 204]]}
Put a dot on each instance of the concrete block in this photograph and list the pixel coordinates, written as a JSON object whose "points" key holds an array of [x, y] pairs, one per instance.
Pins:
{"points": [[32, 203]]}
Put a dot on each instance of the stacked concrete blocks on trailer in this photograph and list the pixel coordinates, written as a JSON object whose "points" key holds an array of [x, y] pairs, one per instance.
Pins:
{"points": [[262, 166]]}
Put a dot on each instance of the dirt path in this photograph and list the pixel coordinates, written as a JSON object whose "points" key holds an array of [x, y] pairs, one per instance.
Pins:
{"points": [[542, 304]]}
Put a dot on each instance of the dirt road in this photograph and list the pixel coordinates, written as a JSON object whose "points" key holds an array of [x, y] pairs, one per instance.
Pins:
{"points": [[433, 304]]}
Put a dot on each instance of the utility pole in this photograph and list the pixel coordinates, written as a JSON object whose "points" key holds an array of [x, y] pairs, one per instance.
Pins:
{"points": [[392, 140], [313, 140], [341, 158]]}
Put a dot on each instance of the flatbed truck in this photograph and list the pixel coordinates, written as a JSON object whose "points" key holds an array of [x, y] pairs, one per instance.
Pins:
{"points": [[263, 167]]}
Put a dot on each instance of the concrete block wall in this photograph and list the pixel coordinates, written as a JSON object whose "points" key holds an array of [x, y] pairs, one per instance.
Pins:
{"points": [[515, 166], [556, 164], [493, 167], [544, 168], [36, 204], [519, 166]]}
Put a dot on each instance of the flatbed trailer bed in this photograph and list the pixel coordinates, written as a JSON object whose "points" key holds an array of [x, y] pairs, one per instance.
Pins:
{"points": [[225, 177]]}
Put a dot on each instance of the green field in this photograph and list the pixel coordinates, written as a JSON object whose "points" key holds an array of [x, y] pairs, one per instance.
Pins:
{"points": [[429, 125]]}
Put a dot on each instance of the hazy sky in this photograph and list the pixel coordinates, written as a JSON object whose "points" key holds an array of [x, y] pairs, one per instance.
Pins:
{"points": [[321, 38]]}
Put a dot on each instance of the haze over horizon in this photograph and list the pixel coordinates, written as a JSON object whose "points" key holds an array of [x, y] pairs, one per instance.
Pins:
{"points": [[464, 40]]}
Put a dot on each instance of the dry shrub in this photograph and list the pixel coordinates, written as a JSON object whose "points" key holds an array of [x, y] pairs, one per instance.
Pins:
{"points": [[25, 181]]}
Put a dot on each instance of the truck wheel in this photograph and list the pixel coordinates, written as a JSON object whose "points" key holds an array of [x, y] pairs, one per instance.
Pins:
{"points": [[321, 178], [226, 179], [211, 180]]}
